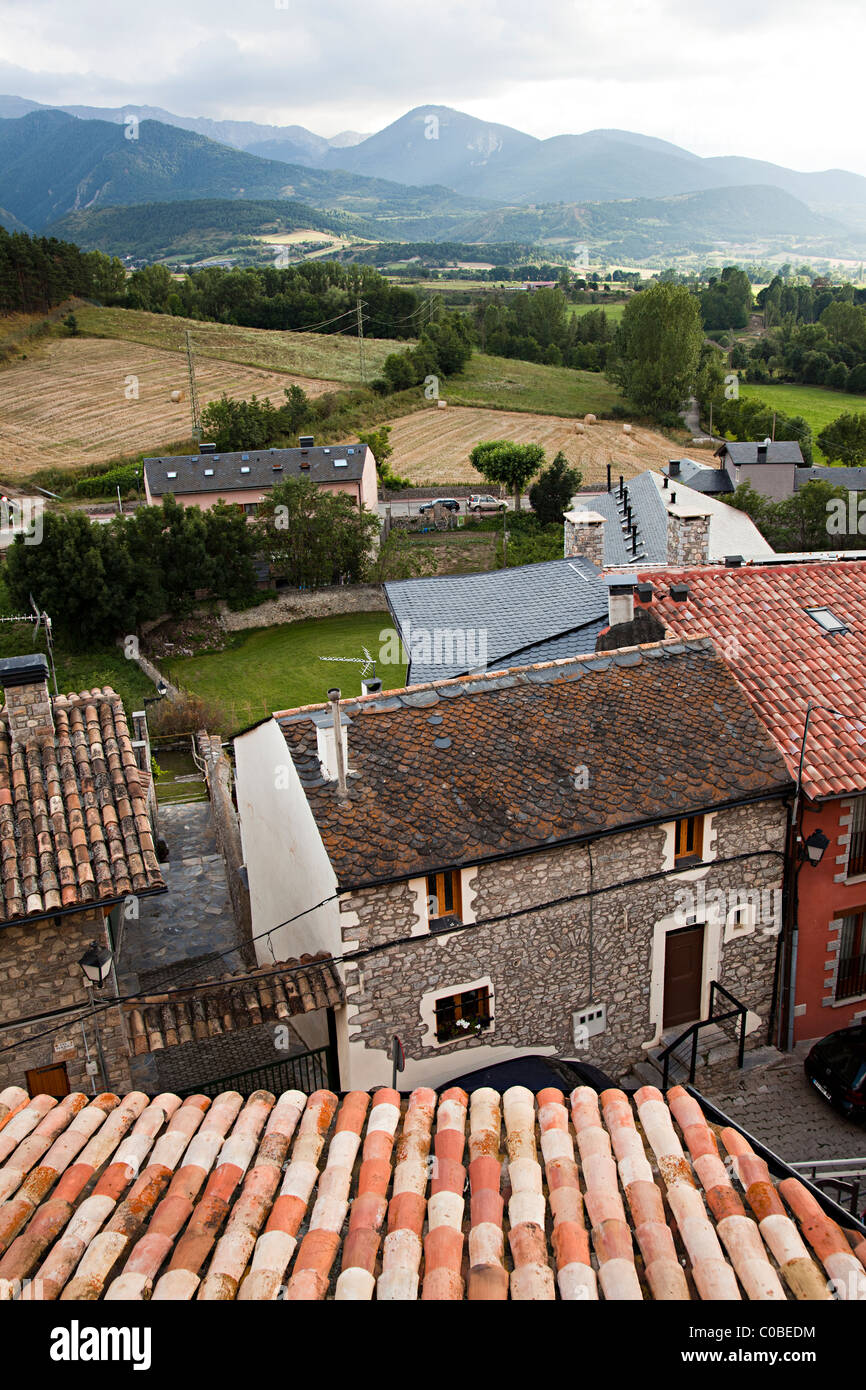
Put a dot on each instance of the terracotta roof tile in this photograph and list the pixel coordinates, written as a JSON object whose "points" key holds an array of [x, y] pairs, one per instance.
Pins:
{"points": [[781, 658], [420, 797], [74, 825], [575, 1198]]}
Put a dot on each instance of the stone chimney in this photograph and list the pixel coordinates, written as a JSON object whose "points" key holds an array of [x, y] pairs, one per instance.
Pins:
{"points": [[584, 535], [688, 534], [28, 704]]}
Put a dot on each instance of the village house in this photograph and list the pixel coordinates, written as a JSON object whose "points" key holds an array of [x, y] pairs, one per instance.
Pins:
{"points": [[546, 859], [77, 840], [794, 638], [771, 466], [202, 479]]}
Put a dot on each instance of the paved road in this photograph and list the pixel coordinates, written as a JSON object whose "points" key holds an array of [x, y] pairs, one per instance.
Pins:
{"points": [[777, 1105]]}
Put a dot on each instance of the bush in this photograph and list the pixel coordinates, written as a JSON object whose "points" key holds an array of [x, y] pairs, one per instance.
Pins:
{"points": [[106, 484], [185, 715]]}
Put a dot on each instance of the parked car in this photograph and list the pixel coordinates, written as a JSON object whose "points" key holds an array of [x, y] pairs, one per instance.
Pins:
{"points": [[450, 503], [483, 502], [536, 1073], [836, 1067]]}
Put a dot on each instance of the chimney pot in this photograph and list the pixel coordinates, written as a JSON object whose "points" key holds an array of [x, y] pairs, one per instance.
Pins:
{"points": [[645, 593], [679, 592], [733, 562]]}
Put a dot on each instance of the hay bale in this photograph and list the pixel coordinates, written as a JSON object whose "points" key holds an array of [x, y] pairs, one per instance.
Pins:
{"points": [[442, 404], [580, 429], [590, 420], [626, 429], [176, 397]]}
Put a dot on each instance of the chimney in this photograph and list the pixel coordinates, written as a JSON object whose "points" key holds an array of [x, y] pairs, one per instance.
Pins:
{"points": [[28, 704], [733, 562], [674, 468], [207, 448], [679, 592], [762, 451], [620, 598], [688, 534], [371, 685], [584, 535], [645, 592], [333, 752]]}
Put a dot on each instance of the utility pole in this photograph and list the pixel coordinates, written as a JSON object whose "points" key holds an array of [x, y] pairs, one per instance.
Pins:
{"points": [[193, 395], [774, 427], [361, 361]]}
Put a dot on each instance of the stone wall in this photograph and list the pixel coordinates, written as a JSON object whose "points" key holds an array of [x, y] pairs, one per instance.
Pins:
{"points": [[39, 972], [546, 964], [294, 605], [688, 539], [218, 775]]}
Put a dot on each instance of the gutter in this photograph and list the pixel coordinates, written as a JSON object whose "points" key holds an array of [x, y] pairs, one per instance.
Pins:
{"points": [[81, 907]]}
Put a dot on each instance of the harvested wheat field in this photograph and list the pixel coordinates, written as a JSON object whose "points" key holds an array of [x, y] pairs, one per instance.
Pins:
{"points": [[74, 401], [433, 446]]}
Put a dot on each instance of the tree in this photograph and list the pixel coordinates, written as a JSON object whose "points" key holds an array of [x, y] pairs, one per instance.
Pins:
{"points": [[657, 348], [550, 497], [315, 537], [502, 461], [844, 440], [231, 424], [296, 409]]}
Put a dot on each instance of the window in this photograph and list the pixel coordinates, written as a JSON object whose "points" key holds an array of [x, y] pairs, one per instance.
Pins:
{"points": [[250, 508], [444, 898], [857, 844], [689, 838], [208, 472], [827, 620], [171, 475], [851, 977], [245, 469], [463, 1015]]}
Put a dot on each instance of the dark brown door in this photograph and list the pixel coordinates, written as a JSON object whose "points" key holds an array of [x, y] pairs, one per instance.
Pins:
{"points": [[684, 961], [49, 1081]]}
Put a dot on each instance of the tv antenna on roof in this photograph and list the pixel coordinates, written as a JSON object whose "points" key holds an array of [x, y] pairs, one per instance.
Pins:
{"points": [[366, 661]]}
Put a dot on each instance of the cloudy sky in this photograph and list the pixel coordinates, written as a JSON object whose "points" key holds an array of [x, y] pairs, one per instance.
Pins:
{"points": [[777, 79]]}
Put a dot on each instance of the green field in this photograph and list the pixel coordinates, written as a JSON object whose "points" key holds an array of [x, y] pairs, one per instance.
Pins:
{"points": [[275, 668], [614, 312], [817, 404], [505, 383], [326, 356]]}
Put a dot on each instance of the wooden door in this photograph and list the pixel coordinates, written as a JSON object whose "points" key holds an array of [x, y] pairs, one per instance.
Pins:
{"points": [[49, 1081], [684, 964]]}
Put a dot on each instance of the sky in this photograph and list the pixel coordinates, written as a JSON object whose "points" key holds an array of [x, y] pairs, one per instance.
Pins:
{"points": [[778, 79]]}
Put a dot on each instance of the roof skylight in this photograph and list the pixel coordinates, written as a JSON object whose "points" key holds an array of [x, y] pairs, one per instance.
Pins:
{"points": [[826, 619]]}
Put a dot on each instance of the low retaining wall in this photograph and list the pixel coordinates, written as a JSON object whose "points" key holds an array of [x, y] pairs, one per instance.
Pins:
{"points": [[294, 605]]}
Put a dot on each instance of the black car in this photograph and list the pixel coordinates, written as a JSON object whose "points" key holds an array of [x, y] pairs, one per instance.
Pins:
{"points": [[536, 1073], [836, 1067], [449, 503]]}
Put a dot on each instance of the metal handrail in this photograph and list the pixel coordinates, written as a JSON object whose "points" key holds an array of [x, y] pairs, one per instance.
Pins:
{"points": [[845, 1177], [738, 1011]]}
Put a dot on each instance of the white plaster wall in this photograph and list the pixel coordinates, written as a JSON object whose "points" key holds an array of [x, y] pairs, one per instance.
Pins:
{"points": [[288, 867]]}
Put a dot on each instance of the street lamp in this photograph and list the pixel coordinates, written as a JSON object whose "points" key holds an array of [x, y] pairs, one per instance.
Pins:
{"points": [[96, 966], [813, 848]]}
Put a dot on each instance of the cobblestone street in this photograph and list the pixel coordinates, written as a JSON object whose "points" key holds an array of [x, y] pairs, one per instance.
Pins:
{"points": [[776, 1104]]}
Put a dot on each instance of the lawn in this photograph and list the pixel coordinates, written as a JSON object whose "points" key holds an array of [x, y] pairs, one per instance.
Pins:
{"points": [[614, 312], [275, 668], [457, 552], [509, 384], [78, 671], [817, 404], [327, 356]]}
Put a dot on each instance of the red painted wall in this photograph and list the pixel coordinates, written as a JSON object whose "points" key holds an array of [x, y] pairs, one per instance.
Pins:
{"points": [[823, 900]]}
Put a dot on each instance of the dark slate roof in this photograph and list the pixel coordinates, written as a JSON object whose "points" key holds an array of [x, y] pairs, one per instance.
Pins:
{"points": [[505, 782], [746, 451], [700, 477], [520, 609], [648, 510], [193, 475], [852, 478]]}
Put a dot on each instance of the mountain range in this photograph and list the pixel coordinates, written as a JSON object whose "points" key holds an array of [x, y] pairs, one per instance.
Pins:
{"points": [[434, 173]]}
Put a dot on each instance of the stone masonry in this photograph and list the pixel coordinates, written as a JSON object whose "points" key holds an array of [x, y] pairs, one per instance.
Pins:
{"points": [[547, 963], [39, 972], [688, 536], [584, 535]]}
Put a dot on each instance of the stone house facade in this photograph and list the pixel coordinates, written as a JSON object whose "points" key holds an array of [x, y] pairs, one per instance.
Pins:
{"points": [[536, 860]]}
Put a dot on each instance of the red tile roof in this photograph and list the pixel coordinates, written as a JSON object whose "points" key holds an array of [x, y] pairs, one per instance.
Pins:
{"points": [[781, 657], [313, 1198], [74, 824], [458, 770]]}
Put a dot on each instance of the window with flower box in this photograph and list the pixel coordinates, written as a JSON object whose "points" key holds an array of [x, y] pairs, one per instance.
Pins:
{"points": [[463, 1015]]}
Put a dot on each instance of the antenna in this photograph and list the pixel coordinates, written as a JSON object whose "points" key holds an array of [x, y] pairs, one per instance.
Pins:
{"points": [[193, 396], [367, 662]]}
